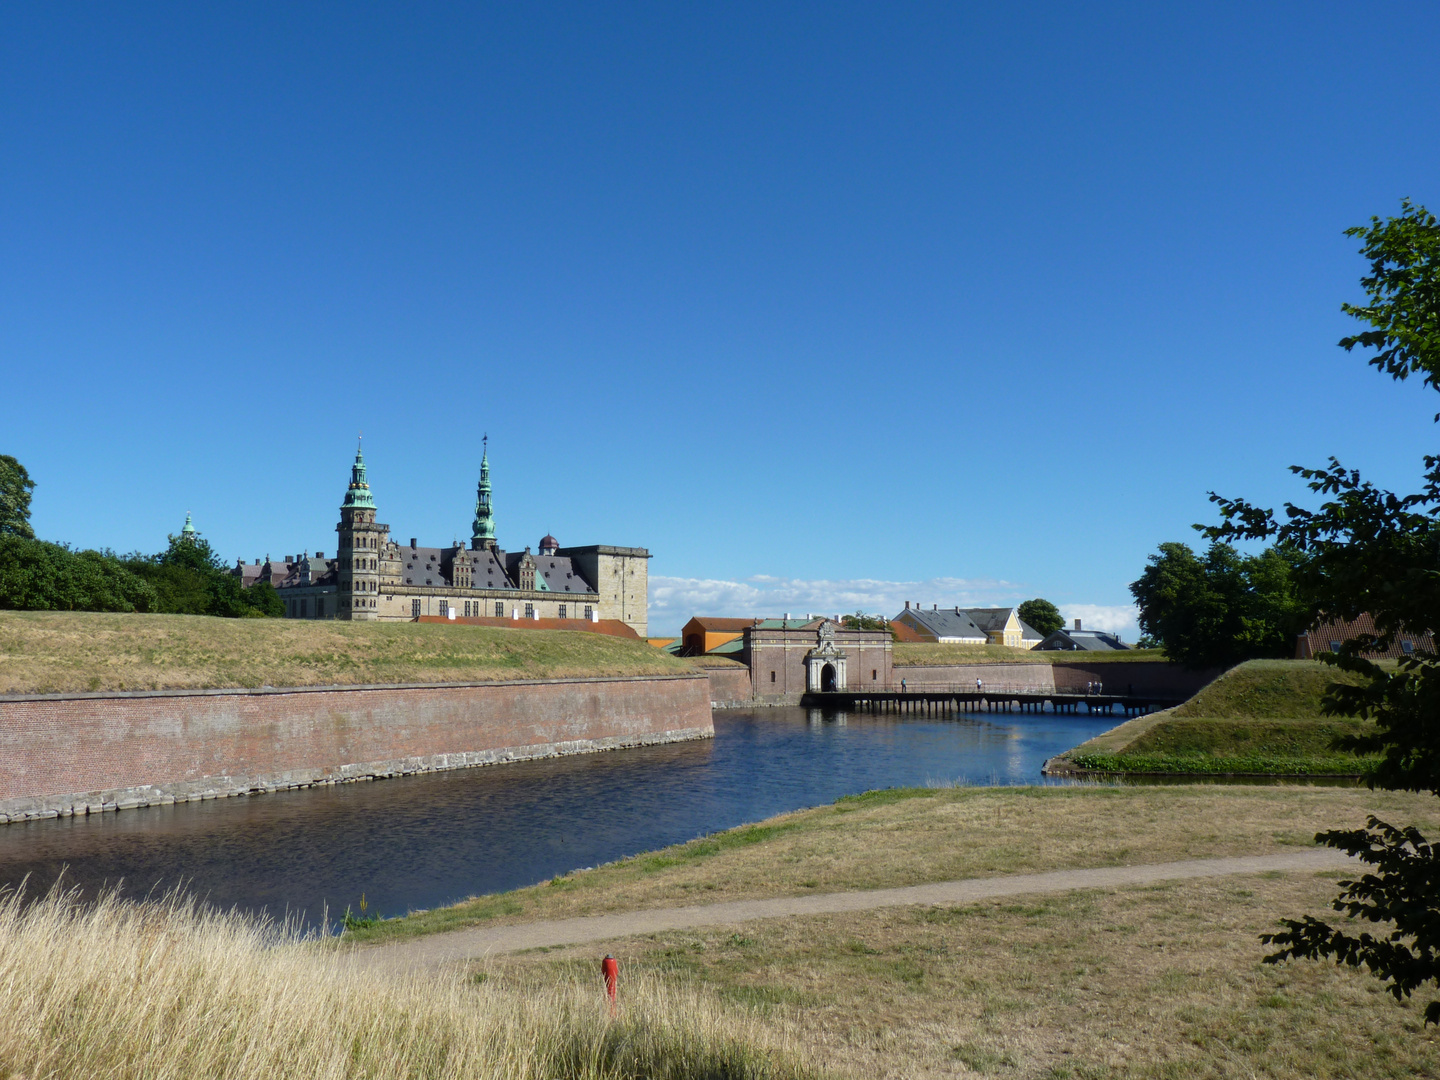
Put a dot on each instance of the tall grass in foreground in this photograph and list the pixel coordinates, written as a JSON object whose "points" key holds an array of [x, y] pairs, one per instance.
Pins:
{"points": [[166, 989]]}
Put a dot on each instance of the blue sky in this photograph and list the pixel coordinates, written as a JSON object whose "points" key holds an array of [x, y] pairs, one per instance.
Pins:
{"points": [[829, 306]]}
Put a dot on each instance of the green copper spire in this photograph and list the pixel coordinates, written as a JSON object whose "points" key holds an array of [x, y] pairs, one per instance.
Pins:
{"points": [[188, 532], [483, 528], [358, 494]]}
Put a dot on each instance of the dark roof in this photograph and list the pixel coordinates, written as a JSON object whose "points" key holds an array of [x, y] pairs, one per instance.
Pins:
{"points": [[946, 622], [1082, 641], [990, 619], [560, 576]]}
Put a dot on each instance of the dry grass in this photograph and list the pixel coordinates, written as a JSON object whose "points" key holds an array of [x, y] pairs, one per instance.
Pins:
{"points": [[1157, 982], [910, 836], [161, 991], [911, 653], [59, 651]]}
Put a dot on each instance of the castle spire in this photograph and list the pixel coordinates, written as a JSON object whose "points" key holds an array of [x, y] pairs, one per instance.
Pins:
{"points": [[358, 494], [482, 534], [188, 532]]}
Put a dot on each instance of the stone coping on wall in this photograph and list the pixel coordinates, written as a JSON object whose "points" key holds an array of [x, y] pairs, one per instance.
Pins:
{"points": [[87, 695], [40, 807]]}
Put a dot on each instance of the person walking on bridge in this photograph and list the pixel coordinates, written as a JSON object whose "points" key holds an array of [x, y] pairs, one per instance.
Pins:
{"points": [[978, 685]]}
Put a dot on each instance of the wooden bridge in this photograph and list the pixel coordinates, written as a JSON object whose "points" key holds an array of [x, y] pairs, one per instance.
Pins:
{"points": [[988, 697]]}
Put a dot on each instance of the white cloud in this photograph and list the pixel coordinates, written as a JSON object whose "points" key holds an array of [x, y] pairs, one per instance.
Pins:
{"points": [[1114, 618], [673, 600]]}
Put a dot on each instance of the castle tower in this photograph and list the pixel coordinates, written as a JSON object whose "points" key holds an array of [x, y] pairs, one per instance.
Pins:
{"points": [[362, 545], [482, 533], [188, 532]]}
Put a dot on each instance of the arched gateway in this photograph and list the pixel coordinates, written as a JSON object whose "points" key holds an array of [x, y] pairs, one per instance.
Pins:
{"points": [[825, 664]]}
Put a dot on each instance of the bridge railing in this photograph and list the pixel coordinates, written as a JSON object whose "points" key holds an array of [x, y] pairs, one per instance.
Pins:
{"points": [[996, 689]]}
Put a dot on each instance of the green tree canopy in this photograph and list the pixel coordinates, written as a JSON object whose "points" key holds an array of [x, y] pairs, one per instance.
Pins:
{"points": [[1223, 608], [38, 576], [1042, 615], [15, 489], [1369, 550], [188, 578], [861, 621]]}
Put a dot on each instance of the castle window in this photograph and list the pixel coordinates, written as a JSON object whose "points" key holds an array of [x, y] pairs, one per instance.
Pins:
{"points": [[499, 609], [874, 675], [529, 611], [589, 612], [562, 612], [444, 608], [415, 609], [1408, 646], [772, 676]]}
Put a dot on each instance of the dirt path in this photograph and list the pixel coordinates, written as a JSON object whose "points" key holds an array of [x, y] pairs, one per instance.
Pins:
{"points": [[459, 945]]}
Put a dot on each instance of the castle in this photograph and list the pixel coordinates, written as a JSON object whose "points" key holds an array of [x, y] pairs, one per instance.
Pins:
{"points": [[374, 577]]}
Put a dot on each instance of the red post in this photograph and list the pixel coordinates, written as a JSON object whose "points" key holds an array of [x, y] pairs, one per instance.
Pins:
{"points": [[610, 968]]}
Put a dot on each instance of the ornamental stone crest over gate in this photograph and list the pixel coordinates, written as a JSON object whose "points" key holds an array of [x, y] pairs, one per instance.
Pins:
{"points": [[825, 664]]}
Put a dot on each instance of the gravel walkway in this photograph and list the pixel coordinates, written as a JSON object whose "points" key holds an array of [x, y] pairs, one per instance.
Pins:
{"points": [[459, 945]]}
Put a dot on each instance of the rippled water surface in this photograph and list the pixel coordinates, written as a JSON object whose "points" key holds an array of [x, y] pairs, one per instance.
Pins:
{"points": [[422, 841]]}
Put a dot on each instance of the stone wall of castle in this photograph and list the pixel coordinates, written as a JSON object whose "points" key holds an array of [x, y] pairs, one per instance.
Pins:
{"points": [[87, 753]]}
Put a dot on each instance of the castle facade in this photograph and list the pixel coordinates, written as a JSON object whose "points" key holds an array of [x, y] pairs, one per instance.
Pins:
{"points": [[374, 577]]}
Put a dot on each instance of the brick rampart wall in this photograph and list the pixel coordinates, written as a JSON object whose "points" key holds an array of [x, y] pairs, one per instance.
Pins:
{"points": [[729, 687], [89, 752], [1145, 677]]}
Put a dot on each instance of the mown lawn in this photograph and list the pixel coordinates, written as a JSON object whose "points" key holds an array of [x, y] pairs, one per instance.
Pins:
{"points": [[1262, 717]]}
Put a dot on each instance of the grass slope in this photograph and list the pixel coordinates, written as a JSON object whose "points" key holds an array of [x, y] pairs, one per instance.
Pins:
{"points": [[1147, 982], [59, 651], [909, 836], [166, 990], [911, 653], [1141, 983], [1262, 717]]}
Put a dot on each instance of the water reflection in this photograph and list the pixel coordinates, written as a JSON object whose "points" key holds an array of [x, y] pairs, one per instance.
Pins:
{"points": [[422, 841]]}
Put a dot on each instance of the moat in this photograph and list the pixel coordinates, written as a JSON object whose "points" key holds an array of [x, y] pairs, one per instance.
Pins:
{"points": [[428, 840]]}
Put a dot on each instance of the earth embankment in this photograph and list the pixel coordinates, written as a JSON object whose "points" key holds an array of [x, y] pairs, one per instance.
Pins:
{"points": [[57, 652], [1261, 718]]}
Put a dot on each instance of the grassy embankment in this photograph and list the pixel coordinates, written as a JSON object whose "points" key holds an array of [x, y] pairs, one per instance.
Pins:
{"points": [[887, 839], [59, 651], [1262, 717], [910, 654], [1155, 981], [132, 991]]}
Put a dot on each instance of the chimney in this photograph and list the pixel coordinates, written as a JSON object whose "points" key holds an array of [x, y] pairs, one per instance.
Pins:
{"points": [[907, 605], [1077, 624], [319, 554], [787, 616], [934, 607], [412, 541]]}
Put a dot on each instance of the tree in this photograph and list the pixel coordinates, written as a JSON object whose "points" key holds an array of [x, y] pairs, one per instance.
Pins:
{"points": [[190, 579], [1044, 616], [1222, 609], [15, 489], [1369, 550], [38, 576], [861, 621]]}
